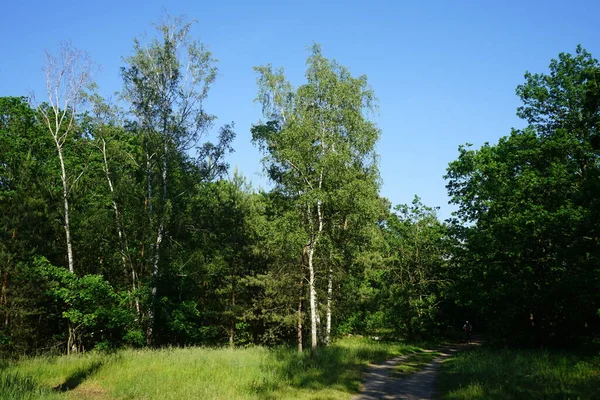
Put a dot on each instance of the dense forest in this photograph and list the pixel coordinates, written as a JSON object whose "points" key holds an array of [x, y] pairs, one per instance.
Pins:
{"points": [[121, 224]]}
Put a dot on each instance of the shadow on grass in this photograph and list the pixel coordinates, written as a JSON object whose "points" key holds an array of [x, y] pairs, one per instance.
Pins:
{"points": [[77, 377], [520, 374], [335, 367]]}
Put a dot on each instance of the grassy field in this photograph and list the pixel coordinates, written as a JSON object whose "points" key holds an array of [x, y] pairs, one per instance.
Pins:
{"points": [[198, 373], [490, 374]]}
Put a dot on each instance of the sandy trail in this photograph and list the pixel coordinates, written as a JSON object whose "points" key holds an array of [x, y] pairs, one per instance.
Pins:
{"points": [[378, 382]]}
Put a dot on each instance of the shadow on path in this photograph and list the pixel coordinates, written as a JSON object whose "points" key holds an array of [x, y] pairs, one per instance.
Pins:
{"points": [[77, 377], [379, 383]]}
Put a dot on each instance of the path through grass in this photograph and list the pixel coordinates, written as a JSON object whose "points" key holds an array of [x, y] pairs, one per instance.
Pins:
{"points": [[414, 362], [199, 373]]}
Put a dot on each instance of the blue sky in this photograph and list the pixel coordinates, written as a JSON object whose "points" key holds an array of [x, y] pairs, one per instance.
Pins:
{"points": [[444, 72]]}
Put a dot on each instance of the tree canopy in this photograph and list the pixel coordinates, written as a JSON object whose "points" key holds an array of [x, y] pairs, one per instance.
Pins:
{"points": [[123, 225]]}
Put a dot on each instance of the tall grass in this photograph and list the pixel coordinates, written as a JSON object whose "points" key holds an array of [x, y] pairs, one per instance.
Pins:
{"points": [[520, 374], [14, 386], [201, 373]]}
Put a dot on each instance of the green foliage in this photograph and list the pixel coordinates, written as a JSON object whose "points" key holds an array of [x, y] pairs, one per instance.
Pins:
{"points": [[403, 288], [88, 303], [319, 147], [527, 214], [169, 250]]}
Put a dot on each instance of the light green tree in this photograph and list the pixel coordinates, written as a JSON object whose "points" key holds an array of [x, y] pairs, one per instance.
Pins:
{"points": [[167, 80], [318, 138]]}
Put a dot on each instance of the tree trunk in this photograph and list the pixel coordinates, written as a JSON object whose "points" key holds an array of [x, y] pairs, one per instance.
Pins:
{"points": [[314, 312], [299, 325], [73, 341], [159, 239], [329, 300], [232, 327], [123, 246], [4, 299], [67, 225], [312, 299]]}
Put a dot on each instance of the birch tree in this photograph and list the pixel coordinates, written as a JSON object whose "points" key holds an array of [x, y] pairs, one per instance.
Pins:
{"points": [[68, 74], [166, 81], [317, 133], [107, 127]]}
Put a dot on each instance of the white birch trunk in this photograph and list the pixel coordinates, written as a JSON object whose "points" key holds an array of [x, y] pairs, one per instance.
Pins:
{"points": [[329, 300], [161, 225], [314, 318], [67, 225], [66, 77], [123, 246], [299, 325], [312, 299]]}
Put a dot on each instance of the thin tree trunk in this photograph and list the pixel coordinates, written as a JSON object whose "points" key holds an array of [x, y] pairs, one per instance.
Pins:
{"points": [[314, 316], [149, 183], [161, 225], [311, 283], [73, 341], [148, 225], [329, 299], [147, 203], [159, 239], [299, 325], [4, 298], [67, 225], [123, 246], [232, 326], [312, 299]]}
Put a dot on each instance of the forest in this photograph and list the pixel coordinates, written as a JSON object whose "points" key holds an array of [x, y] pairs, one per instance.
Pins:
{"points": [[122, 224]]}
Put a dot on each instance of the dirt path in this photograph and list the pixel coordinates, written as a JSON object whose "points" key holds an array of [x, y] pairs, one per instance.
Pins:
{"points": [[378, 382]]}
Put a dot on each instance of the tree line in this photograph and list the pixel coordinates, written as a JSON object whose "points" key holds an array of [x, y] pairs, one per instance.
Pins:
{"points": [[124, 226]]}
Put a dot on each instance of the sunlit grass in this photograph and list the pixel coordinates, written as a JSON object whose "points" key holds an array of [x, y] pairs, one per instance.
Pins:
{"points": [[520, 374], [203, 373]]}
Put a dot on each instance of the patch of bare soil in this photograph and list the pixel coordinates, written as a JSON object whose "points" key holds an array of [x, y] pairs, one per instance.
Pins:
{"points": [[91, 391]]}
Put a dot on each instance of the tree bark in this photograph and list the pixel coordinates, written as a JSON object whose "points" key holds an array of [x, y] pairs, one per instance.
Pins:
{"points": [[232, 326], [312, 299], [123, 245], [299, 325], [159, 239], [329, 300], [315, 236], [73, 341], [66, 77], [67, 225], [4, 299]]}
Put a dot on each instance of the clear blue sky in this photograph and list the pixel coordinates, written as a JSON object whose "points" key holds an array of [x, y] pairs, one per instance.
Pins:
{"points": [[444, 72]]}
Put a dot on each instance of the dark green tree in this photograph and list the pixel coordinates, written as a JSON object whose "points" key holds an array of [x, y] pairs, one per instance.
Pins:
{"points": [[527, 219]]}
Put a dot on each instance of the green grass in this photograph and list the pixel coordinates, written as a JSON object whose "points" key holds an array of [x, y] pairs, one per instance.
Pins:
{"points": [[198, 373], [520, 374], [413, 363], [14, 386]]}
